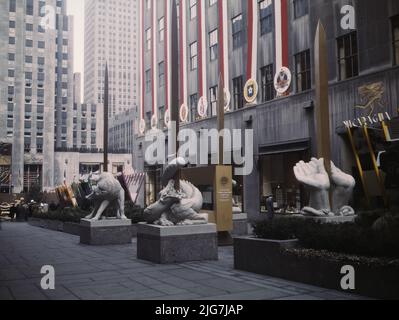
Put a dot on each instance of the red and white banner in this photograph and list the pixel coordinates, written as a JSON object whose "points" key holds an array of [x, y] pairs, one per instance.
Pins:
{"points": [[154, 29], [183, 52], [224, 43], [202, 61], [142, 41], [281, 33], [252, 58]]}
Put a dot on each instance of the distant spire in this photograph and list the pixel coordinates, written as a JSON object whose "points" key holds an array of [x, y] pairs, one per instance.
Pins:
{"points": [[106, 101]]}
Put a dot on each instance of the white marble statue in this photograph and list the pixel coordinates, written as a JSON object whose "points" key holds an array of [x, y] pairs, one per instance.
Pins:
{"points": [[176, 207], [315, 177], [106, 192]]}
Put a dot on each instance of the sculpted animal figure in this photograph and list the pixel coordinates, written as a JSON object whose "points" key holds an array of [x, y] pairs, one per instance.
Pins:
{"points": [[176, 207], [314, 176], [107, 191]]}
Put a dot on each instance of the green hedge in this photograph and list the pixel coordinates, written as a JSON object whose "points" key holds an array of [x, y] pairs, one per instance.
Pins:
{"points": [[135, 213], [62, 214], [364, 237]]}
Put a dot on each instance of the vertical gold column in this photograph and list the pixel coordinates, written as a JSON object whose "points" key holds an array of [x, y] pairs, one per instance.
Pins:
{"points": [[359, 165], [375, 165]]}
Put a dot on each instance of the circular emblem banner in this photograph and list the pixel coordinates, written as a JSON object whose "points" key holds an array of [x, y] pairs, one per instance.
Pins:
{"points": [[282, 80], [251, 91]]}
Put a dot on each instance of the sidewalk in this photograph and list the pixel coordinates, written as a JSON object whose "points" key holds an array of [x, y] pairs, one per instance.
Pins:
{"points": [[113, 272]]}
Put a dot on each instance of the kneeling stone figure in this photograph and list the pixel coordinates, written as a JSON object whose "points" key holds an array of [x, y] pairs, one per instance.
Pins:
{"points": [[176, 207]]}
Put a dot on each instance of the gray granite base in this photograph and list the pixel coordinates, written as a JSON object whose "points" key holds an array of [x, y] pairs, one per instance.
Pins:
{"points": [[105, 232], [337, 219], [167, 245], [240, 224]]}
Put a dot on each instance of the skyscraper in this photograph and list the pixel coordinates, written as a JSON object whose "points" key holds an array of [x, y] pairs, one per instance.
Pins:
{"points": [[36, 81], [111, 36]]}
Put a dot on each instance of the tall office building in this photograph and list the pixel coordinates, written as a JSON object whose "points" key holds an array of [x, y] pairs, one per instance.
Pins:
{"points": [[269, 45], [111, 36], [35, 82]]}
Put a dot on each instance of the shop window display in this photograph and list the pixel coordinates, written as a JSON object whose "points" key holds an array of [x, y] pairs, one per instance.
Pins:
{"points": [[278, 180]]}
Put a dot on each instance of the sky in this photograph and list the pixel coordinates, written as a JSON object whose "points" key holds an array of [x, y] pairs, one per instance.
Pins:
{"points": [[76, 8]]}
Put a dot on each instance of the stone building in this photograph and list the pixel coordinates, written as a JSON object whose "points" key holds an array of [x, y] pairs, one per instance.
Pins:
{"points": [[244, 40], [36, 83], [111, 36]]}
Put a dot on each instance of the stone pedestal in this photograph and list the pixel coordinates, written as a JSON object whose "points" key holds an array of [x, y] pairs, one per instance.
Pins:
{"points": [[105, 232], [240, 224], [337, 219], [177, 244]]}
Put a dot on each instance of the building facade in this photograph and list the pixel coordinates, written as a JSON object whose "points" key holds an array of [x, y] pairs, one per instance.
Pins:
{"points": [[111, 36], [244, 41], [121, 132], [88, 122], [36, 83]]}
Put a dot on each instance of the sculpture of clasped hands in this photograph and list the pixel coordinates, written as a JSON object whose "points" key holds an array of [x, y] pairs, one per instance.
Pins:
{"points": [[315, 177]]}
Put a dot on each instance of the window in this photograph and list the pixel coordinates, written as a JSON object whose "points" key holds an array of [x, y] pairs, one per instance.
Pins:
{"points": [[11, 24], [302, 71], [28, 43], [161, 116], [193, 9], [348, 64], [161, 70], [11, 57], [237, 30], [193, 56], [265, 16], [13, 6], [28, 59], [238, 101], [148, 81], [29, 7], [213, 44], [29, 27], [395, 37], [193, 107], [11, 73], [267, 83], [213, 94], [301, 8], [41, 44], [161, 29], [11, 40], [148, 39]]}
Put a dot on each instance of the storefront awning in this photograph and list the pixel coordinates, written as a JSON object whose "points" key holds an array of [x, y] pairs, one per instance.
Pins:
{"points": [[285, 147]]}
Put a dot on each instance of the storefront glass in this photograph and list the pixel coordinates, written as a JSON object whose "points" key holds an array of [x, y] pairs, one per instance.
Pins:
{"points": [[278, 179]]}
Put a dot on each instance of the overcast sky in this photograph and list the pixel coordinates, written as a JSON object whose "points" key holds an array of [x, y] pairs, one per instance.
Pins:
{"points": [[76, 8]]}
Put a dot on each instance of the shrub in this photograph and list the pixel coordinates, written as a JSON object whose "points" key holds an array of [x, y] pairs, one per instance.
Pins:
{"points": [[62, 214], [379, 240]]}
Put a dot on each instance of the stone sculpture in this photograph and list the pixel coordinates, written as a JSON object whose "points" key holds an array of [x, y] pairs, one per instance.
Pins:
{"points": [[106, 191], [315, 177], [176, 207]]}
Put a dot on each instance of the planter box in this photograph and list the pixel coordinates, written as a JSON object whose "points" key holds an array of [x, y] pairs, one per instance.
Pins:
{"points": [[177, 244], [67, 227], [269, 257]]}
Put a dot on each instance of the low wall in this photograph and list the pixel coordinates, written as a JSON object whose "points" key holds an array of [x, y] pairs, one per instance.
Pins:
{"points": [[66, 227], [269, 257]]}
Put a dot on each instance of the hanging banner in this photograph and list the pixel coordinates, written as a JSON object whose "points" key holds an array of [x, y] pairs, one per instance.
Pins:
{"points": [[251, 91], [183, 113], [202, 107], [282, 80]]}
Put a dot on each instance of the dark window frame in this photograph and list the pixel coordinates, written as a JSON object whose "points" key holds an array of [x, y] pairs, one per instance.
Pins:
{"points": [[267, 82], [303, 77], [349, 59]]}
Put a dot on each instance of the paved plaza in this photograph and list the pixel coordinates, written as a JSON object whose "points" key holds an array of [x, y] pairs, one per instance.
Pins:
{"points": [[113, 272]]}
